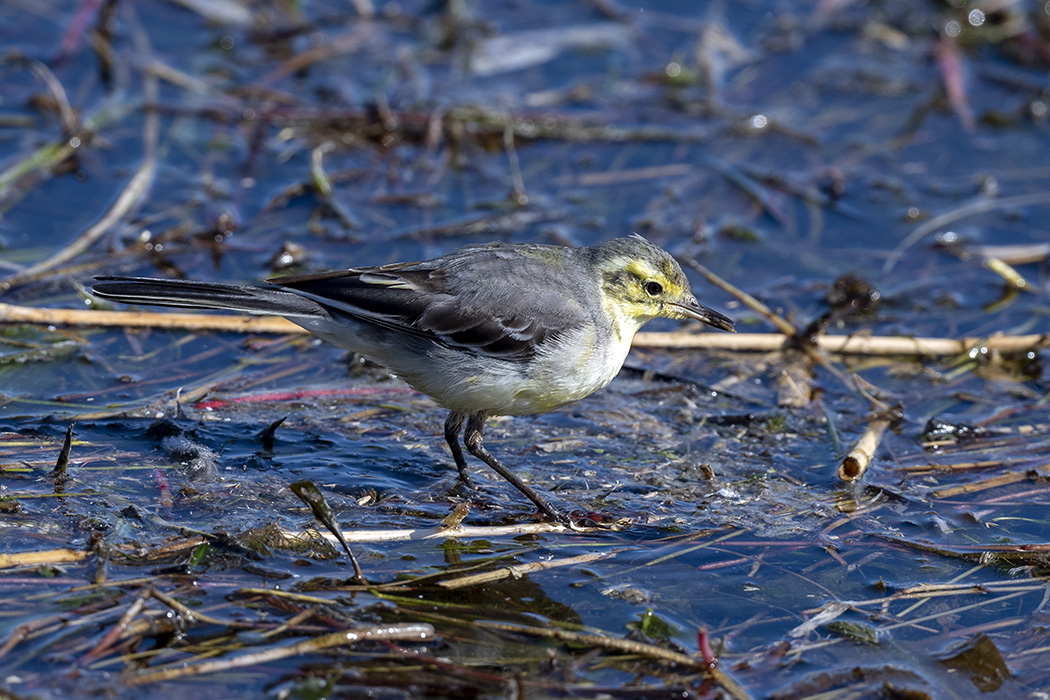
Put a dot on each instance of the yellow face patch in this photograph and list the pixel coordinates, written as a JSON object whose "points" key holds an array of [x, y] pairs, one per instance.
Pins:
{"points": [[638, 287], [641, 269]]}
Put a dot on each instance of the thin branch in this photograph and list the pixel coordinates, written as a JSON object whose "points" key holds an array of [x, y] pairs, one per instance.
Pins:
{"points": [[781, 324]]}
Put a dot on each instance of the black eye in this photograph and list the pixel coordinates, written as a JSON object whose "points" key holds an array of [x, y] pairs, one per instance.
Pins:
{"points": [[653, 288]]}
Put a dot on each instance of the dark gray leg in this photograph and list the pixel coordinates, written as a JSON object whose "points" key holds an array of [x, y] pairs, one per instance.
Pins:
{"points": [[472, 439], [453, 424]]}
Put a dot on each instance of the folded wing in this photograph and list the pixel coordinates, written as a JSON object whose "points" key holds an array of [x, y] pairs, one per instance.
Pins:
{"points": [[497, 301]]}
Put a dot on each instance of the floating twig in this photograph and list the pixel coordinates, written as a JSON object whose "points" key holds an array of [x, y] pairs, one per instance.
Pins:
{"points": [[856, 462], [438, 533], [1039, 473], [1013, 253], [120, 628], [519, 570], [44, 558], [1012, 277], [138, 319], [795, 387]]}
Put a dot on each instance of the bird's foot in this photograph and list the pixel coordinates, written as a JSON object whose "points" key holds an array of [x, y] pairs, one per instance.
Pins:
{"points": [[464, 488]]}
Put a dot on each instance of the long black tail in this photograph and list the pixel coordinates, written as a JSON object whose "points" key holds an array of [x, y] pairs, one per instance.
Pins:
{"points": [[205, 295]]}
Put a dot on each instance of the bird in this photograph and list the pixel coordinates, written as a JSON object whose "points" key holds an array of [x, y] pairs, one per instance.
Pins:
{"points": [[496, 329]]}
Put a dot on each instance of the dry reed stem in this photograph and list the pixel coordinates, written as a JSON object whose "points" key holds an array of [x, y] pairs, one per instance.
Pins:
{"points": [[856, 462], [519, 570], [847, 344], [1034, 474], [437, 533], [828, 612], [990, 601], [933, 468], [50, 155], [1035, 584], [737, 342], [1014, 254], [148, 319], [1010, 275], [191, 616], [338, 45], [118, 630], [50, 556]]}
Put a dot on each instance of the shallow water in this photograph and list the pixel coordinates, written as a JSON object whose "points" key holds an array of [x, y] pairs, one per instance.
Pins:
{"points": [[782, 146]]}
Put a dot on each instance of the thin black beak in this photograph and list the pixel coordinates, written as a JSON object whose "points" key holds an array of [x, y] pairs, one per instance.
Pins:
{"points": [[696, 310]]}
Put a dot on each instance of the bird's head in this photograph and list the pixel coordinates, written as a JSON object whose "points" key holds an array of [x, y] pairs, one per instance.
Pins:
{"points": [[641, 281]]}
